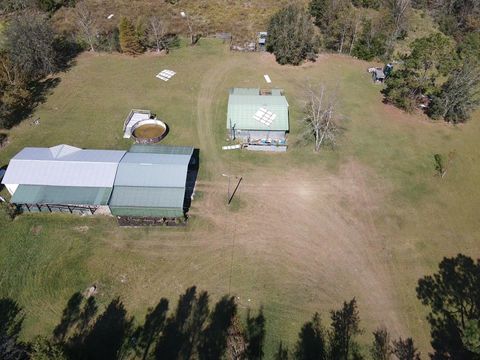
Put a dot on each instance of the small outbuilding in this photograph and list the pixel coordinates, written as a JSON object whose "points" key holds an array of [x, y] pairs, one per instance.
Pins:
{"points": [[262, 40], [378, 75], [258, 119]]}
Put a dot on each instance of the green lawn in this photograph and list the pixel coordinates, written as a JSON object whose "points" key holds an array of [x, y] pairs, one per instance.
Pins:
{"points": [[381, 221]]}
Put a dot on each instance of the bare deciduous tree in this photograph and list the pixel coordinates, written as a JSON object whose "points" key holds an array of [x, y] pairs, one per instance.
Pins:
{"points": [[157, 31], [87, 24], [196, 24], [320, 118], [399, 11]]}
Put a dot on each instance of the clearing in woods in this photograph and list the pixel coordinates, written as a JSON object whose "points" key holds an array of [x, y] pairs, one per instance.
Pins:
{"points": [[305, 232]]}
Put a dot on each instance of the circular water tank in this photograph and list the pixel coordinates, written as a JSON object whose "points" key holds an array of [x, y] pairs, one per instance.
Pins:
{"points": [[149, 131]]}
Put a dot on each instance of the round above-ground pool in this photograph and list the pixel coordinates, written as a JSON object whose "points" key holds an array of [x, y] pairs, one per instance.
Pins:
{"points": [[149, 131]]}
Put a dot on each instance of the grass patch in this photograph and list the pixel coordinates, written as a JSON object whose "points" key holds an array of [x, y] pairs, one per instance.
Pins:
{"points": [[378, 185], [236, 204]]}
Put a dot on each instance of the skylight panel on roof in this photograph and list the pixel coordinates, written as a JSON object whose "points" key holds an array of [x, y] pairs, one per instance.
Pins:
{"points": [[264, 116]]}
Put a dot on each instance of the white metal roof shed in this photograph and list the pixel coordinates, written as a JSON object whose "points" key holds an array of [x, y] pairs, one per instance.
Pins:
{"points": [[63, 165]]}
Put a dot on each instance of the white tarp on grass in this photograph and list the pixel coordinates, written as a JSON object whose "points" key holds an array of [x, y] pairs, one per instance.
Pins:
{"points": [[231, 147], [165, 75]]}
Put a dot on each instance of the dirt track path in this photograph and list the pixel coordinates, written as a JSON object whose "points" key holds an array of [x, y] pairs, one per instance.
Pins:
{"points": [[207, 104], [206, 113]]}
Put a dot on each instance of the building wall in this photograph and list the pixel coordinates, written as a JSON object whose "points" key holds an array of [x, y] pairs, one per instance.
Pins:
{"points": [[256, 135], [267, 148], [146, 212]]}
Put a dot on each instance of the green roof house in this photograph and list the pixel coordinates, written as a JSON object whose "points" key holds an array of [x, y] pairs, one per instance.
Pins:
{"points": [[151, 182], [258, 119]]}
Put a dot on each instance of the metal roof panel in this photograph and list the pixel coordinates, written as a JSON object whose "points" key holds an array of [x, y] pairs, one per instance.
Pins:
{"points": [[39, 194], [133, 196], [161, 149], [63, 165], [152, 170], [242, 108]]}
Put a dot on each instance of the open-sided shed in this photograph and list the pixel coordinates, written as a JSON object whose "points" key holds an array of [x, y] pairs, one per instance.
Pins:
{"points": [[62, 178]]}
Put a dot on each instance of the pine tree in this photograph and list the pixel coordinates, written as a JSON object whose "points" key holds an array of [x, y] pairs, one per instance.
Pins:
{"points": [[311, 341], [129, 41]]}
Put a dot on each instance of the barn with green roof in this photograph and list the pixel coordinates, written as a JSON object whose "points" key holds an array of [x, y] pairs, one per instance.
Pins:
{"points": [[259, 119], [152, 182]]}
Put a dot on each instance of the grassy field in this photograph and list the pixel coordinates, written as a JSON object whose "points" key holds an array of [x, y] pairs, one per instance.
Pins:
{"points": [[307, 230]]}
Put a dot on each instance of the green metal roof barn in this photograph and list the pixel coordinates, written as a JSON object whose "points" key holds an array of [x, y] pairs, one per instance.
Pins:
{"points": [[244, 104], [151, 181]]}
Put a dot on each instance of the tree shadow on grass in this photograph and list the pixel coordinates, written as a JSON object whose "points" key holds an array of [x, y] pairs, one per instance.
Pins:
{"points": [[66, 51], [452, 295], [70, 316], [153, 326], [195, 332], [87, 315], [38, 94], [255, 331], [176, 339], [106, 339], [11, 321], [11, 317], [213, 340]]}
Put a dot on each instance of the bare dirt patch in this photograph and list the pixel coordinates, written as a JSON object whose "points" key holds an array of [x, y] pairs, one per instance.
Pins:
{"points": [[317, 231], [36, 230], [81, 229]]}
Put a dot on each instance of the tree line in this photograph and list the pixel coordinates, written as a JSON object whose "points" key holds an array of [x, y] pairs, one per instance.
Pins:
{"points": [[194, 330], [440, 72]]}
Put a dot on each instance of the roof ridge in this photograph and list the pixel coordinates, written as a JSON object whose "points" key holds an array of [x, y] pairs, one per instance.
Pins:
{"points": [[61, 150]]}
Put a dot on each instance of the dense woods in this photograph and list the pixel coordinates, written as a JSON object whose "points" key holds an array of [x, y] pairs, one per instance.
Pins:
{"points": [[439, 73]]}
